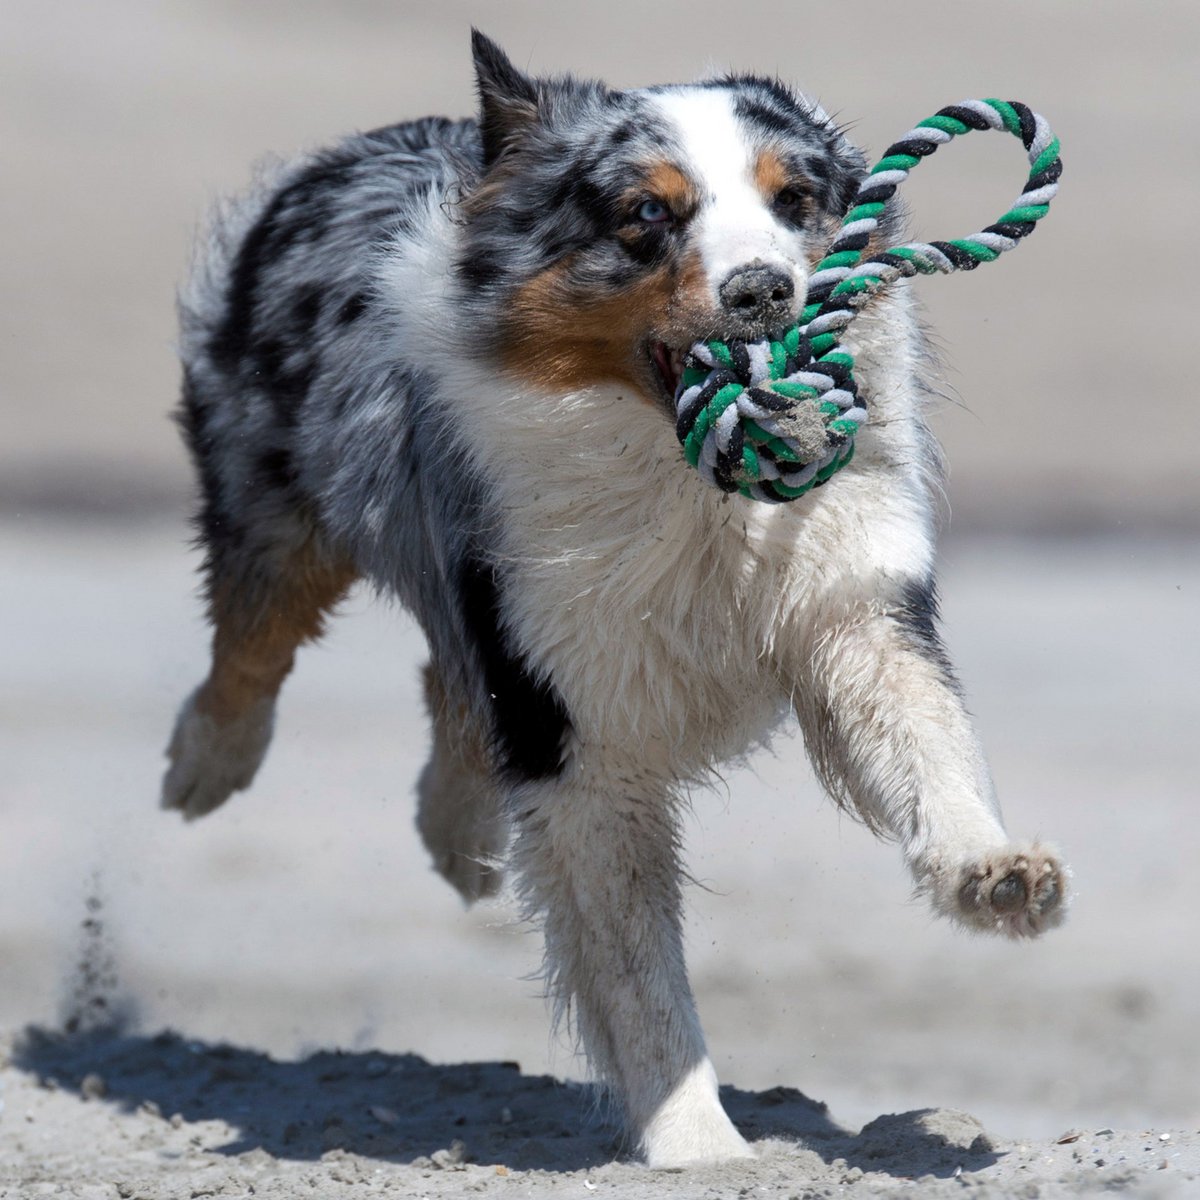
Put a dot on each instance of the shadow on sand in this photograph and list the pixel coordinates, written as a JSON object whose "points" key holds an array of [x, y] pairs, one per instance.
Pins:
{"points": [[400, 1108]]}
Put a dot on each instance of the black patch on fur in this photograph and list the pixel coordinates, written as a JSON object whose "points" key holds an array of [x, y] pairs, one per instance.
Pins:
{"points": [[191, 416], [918, 615], [814, 164], [593, 202], [296, 212], [303, 212], [622, 134], [218, 531], [352, 309], [766, 116], [287, 388], [574, 187], [649, 248], [480, 269], [526, 222], [306, 310], [529, 719], [276, 468]]}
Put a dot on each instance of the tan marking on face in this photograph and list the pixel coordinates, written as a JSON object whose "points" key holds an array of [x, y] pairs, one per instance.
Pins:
{"points": [[771, 175], [666, 182], [560, 335]]}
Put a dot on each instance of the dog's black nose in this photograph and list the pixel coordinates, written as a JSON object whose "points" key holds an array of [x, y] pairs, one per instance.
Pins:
{"points": [[758, 297]]}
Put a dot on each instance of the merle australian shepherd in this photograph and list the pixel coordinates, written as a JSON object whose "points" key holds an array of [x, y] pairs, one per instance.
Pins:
{"points": [[441, 356]]}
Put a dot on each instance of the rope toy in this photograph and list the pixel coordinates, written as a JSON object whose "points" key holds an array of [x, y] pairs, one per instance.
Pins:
{"points": [[774, 419]]}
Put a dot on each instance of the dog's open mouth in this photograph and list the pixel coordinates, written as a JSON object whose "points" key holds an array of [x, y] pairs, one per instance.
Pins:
{"points": [[668, 365]]}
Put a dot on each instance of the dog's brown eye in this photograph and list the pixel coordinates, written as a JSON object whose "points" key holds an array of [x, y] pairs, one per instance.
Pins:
{"points": [[789, 203]]}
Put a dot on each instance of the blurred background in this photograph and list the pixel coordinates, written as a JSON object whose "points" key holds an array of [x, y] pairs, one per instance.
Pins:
{"points": [[305, 914]]}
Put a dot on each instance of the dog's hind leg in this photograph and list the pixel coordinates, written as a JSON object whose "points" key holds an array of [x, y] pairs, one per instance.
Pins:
{"points": [[263, 606], [460, 810], [599, 866]]}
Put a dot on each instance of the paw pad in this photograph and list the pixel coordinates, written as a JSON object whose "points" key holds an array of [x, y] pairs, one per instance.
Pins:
{"points": [[1025, 898], [1010, 894]]}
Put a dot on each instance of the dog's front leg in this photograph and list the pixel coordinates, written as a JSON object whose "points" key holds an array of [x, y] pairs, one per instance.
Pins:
{"points": [[886, 728], [598, 864]]}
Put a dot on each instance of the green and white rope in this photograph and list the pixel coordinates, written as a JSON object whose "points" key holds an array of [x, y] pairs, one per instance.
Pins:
{"points": [[775, 418]]}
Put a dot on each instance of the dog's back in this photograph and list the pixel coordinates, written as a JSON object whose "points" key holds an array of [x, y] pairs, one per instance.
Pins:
{"points": [[269, 316]]}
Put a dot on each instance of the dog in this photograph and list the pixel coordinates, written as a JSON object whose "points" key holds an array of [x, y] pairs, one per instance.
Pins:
{"points": [[441, 356]]}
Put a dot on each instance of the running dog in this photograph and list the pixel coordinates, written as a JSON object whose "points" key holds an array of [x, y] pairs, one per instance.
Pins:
{"points": [[441, 356]]}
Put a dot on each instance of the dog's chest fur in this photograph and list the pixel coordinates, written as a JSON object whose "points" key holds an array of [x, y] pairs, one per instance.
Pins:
{"points": [[652, 600]]}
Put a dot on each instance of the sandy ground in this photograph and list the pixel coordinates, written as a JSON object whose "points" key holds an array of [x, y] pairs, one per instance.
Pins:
{"points": [[298, 945], [168, 1118], [303, 922]]}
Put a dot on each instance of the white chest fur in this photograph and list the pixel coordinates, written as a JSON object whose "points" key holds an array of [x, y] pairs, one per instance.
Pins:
{"points": [[657, 604]]}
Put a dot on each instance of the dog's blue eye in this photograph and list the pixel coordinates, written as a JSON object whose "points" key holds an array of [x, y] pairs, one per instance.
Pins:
{"points": [[654, 212]]}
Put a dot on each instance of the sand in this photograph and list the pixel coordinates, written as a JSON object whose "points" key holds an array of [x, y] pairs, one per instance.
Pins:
{"points": [[165, 1117]]}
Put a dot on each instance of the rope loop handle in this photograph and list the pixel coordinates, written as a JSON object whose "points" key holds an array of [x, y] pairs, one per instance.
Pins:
{"points": [[774, 419]]}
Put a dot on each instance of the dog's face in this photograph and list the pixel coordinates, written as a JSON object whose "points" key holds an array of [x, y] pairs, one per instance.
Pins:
{"points": [[611, 230]]}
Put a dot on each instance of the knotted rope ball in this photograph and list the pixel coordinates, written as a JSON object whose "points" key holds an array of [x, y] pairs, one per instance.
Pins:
{"points": [[774, 419]]}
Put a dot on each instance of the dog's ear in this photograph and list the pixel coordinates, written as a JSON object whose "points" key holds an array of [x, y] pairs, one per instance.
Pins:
{"points": [[507, 98], [846, 165]]}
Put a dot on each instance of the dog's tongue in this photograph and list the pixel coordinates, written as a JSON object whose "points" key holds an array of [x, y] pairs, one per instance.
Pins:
{"points": [[670, 366]]}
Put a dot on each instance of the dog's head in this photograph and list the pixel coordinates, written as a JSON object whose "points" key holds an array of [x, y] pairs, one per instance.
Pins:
{"points": [[610, 230]]}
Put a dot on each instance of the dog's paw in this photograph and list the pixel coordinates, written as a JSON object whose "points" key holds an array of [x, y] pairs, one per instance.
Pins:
{"points": [[1019, 891], [209, 762], [690, 1127], [720, 1142], [472, 875], [464, 829]]}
